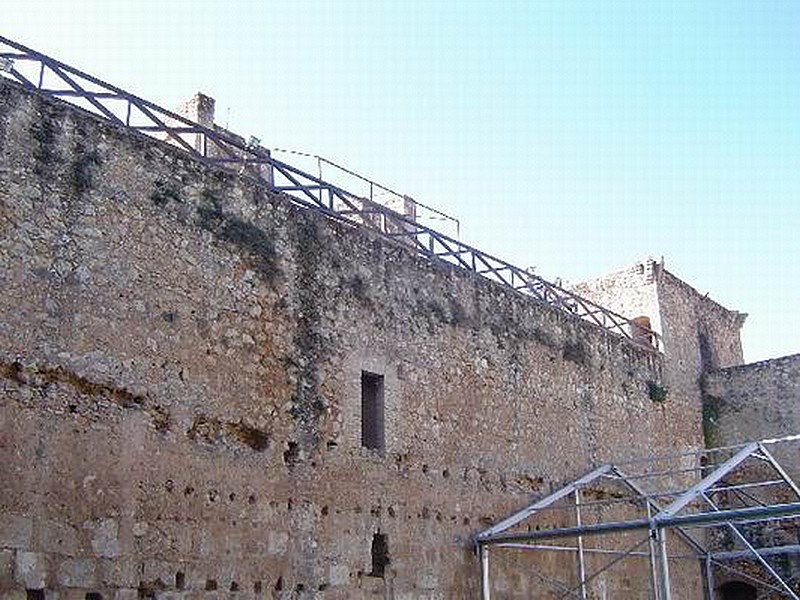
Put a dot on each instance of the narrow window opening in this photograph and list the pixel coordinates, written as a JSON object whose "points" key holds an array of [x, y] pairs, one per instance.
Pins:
{"points": [[180, 580], [93, 596], [372, 412], [211, 585], [34, 594], [380, 555]]}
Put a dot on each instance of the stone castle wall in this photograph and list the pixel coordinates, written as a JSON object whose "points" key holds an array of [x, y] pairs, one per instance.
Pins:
{"points": [[698, 335], [180, 388], [630, 292], [754, 402], [695, 333]]}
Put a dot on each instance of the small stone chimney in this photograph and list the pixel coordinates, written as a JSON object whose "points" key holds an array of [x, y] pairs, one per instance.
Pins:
{"points": [[200, 109]]}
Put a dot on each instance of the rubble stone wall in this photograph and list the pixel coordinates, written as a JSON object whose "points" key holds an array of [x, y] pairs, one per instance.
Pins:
{"points": [[753, 402], [696, 334], [180, 376], [631, 292]]}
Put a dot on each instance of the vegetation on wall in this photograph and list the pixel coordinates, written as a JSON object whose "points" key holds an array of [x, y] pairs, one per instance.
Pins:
{"points": [[656, 392]]}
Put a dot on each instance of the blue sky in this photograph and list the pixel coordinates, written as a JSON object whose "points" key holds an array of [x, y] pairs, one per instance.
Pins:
{"points": [[575, 136]]}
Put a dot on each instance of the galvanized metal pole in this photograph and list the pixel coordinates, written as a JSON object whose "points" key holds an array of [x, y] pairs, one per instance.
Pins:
{"points": [[780, 470], [663, 564], [769, 568], [581, 559], [653, 566], [483, 551], [319, 171], [709, 572]]}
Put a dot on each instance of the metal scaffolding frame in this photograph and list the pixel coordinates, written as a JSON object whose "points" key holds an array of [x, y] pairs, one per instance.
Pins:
{"points": [[706, 506], [220, 148]]}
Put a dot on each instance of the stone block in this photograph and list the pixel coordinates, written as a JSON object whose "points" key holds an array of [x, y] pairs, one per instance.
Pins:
{"points": [[13, 594], [6, 569], [119, 573], [278, 542], [105, 540], [427, 579], [77, 572], [31, 570], [170, 595], [15, 531], [57, 537], [338, 574], [204, 543], [232, 545], [159, 570], [126, 594]]}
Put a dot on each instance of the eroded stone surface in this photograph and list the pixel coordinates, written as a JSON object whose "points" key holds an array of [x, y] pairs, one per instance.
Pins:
{"points": [[181, 376]]}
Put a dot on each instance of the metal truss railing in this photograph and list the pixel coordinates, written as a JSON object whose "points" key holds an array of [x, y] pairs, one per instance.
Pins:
{"points": [[219, 147], [365, 187]]}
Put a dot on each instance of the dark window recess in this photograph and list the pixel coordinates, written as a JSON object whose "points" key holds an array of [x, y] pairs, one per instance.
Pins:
{"points": [[380, 555], [180, 580], [146, 592], [737, 590], [93, 596], [211, 585], [372, 428], [34, 594], [641, 331]]}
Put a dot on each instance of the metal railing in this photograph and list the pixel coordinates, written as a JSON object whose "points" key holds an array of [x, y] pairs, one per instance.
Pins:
{"points": [[365, 187], [219, 147]]}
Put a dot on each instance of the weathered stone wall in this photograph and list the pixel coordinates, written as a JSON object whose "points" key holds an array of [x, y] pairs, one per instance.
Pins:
{"points": [[754, 402], [696, 334], [631, 292], [180, 388]]}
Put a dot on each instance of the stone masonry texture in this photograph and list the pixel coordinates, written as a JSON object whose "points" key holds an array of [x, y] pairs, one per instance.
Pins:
{"points": [[754, 402], [695, 333], [180, 389]]}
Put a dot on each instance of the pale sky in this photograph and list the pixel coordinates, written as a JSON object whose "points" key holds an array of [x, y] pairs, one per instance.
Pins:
{"points": [[575, 136]]}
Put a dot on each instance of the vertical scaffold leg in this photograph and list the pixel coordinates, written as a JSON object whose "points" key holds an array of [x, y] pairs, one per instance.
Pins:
{"points": [[581, 559], [483, 552], [663, 564]]}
